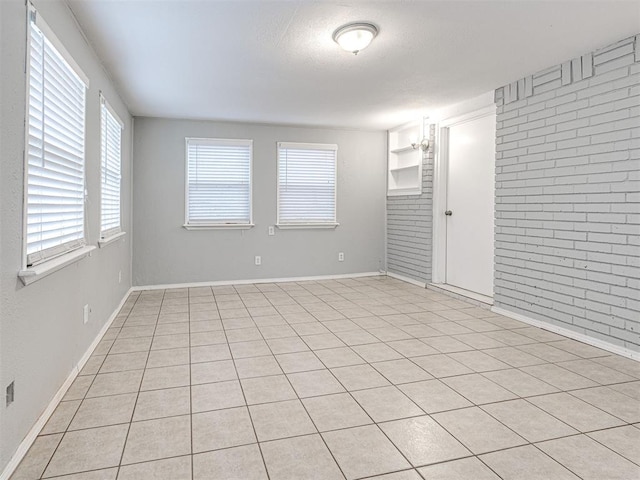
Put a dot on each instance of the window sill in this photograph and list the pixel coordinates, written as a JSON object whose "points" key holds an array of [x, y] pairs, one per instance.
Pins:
{"points": [[103, 242], [299, 226], [222, 226], [33, 274]]}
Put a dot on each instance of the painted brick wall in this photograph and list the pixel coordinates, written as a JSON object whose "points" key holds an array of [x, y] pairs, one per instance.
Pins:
{"points": [[568, 195], [409, 226]]}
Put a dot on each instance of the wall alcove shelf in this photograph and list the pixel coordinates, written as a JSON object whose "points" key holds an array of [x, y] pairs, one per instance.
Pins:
{"points": [[404, 162]]}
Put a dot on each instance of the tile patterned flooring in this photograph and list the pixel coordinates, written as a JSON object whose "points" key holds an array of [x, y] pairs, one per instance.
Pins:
{"points": [[355, 378]]}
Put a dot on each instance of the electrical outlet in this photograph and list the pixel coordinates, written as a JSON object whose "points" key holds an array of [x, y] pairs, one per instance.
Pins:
{"points": [[258, 260], [85, 313], [10, 394], [341, 257], [272, 230], [120, 276]]}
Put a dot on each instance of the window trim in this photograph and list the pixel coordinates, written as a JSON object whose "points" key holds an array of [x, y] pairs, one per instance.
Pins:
{"points": [[52, 265], [310, 226], [307, 225], [79, 250], [108, 236], [212, 225], [219, 226], [55, 41], [103, 242]]}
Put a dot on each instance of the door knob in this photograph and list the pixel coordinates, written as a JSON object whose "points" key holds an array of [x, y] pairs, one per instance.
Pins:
{"points": [[448, 213]]}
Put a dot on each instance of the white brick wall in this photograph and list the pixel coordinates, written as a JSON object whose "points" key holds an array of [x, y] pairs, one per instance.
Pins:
{"points": [[409, 226], [568, 195]]}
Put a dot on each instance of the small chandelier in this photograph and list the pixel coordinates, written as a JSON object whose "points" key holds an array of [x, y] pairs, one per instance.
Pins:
{"points": [[354, 37]]}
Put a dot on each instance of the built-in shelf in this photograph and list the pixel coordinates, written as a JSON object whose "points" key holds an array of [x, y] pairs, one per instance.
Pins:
{"points": [[398, 169], [408, 148], [399, 192], [404, 162]]}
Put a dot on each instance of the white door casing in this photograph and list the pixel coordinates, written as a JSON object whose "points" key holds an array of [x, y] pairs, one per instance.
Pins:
{"points": [[465, 184]]}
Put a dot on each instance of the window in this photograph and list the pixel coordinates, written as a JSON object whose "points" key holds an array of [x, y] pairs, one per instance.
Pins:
{"points": [[110, 161], [307, 184], [218, 187], [55, 190]]}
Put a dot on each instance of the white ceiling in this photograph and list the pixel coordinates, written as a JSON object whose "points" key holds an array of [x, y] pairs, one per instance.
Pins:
{"points": [[275, 62]]}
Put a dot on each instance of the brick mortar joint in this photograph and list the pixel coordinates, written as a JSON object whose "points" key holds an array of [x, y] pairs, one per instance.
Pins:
{"points": [[570, 70]]}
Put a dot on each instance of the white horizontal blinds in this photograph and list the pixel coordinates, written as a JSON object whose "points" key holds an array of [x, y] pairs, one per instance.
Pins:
{"points": [[55, 154], [111, 140], [306, 183], [218, 181]]}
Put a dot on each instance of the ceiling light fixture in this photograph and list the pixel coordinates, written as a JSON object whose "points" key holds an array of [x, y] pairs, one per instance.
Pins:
{"points": [[354, 37]]}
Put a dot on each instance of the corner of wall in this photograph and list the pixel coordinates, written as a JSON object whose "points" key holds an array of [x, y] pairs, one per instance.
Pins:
{"points": [[409, 235]]}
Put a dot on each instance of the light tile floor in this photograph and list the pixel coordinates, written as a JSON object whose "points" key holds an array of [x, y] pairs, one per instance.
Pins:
{"points": [[355, 378]]}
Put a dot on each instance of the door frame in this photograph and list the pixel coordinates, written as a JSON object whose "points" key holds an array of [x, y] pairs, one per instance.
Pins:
{"points": [[440, 184]]}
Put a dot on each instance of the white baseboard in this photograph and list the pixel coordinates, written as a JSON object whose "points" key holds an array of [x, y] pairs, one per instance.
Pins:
{"points": [[463, 294], [407, 279], [581, 337], [26, 443], [28, 440], [221, 283]]}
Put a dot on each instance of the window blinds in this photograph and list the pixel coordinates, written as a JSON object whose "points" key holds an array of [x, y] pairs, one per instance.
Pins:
{"points": [[55, 153], [218, 181], [306, 183], [111, 140]]}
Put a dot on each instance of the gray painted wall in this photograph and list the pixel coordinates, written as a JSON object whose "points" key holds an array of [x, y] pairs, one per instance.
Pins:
{"points": [[409, 226], [165, 253], [568, 195], [42, 333]]}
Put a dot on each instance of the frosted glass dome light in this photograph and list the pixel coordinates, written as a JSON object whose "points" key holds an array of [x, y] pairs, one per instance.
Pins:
{"points": [[355, 37]]}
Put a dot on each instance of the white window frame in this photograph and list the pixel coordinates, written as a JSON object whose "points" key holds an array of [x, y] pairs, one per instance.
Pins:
{"points": [[307, 225], [112, 234], [54, 258], [213, 225]]}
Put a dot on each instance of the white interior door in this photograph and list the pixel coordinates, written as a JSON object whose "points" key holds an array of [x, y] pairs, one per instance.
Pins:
{"points": [[470, 201]]}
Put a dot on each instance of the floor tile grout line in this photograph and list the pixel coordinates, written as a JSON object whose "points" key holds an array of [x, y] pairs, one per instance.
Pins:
{"points": [[578, 432], [126, 438], [553, 459], [253, 427], [536, 407], [598, 384], [192, 459], [347, 391], [383, 361], [478, 372], [571, 393], [84, 398], [476, 406], [376, 476], [477, 457], [317, 431], [504, 424], [634, 461], [72, 418]]}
